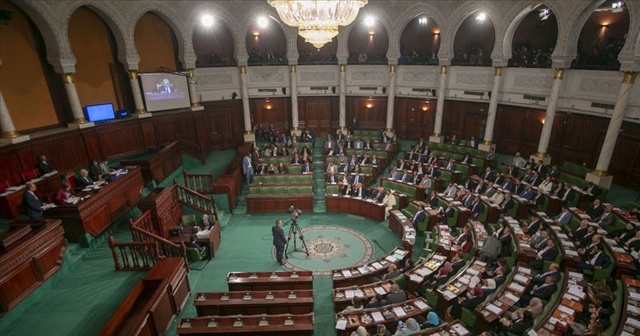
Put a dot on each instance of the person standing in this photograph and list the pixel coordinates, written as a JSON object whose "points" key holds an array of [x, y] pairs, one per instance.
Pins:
{"points": [[32, 205], [247, 168], [279, 241]]}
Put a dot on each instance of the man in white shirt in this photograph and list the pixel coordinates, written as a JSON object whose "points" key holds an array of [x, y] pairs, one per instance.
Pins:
{"points": [[563, 217], [519, 161], [451, 191]]}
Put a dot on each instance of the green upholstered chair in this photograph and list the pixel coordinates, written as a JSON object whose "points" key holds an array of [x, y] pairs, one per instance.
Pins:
{"points": [[193, 254], [188, 220]]}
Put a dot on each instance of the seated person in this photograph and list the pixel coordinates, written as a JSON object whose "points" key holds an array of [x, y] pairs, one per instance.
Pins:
{"points": [[397, 295], [410, 327], [94, 170], [356, 305], [542, 292], [548, 253], [392, 272], [376, 301], [473, 297], [32, 206], [83, 180], [432, 320], [62, 194], [206, 223], [192, 244], [535, 307], [627, 234], [597, 259], [104, 168], [271, 169], [44, 166], [282, 168], [519, 326]]}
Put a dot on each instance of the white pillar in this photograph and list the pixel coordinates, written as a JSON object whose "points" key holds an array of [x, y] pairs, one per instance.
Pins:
{"points": [[390, 99], [599, 175], [79, 120], [343, 98], [295, 123], [9, 134], [193, 93], [246, 110], [437, 127], [140, 112], [493, 108], [545, 136]]}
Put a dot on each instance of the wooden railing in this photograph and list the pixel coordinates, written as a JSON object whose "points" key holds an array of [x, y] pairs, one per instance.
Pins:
{"points": [[191, 149], [201, 183], [147, 247], [196, 200]]}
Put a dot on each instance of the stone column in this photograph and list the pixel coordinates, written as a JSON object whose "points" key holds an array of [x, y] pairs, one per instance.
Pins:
{"points": [[493, 108], [246, 110], [437, 128], [295, 123], [390, 100], [599, 175], [79, 120], [193, 93], [549, 116], [9, 134], [140, 112], [343, 98]]}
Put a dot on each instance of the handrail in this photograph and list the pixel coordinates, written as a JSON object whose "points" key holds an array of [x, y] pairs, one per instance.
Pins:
{"points": [[201, 183], [196, 200], [191, 148], [134, 256]]}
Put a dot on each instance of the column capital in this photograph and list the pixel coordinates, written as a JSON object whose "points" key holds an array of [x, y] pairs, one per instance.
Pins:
{"points": [[392, 68], [541, 155], [243, 69], [558, 73], [9, 134], [343, 67], [497, 71], [293, 68], [597, 172], [133, 74], [190, 72], [444, 69], [67, 78], [629, 77], [487, 143]]}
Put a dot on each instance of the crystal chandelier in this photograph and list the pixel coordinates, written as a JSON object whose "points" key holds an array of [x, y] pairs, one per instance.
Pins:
{"points": [[317, 20]]}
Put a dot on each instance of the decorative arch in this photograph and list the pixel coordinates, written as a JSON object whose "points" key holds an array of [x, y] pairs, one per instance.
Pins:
{"points": [[382, 17], [217, 12], [422, 8], [247, 22], [459, 16], [518, 14]]}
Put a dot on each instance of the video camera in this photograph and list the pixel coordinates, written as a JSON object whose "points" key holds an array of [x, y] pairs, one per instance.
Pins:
{"points": [[295, 213]]}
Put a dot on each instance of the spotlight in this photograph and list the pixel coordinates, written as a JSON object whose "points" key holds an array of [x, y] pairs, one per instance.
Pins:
{"points": [[544, 14], [206, 20], [369, 21], [263, 22], [481, 17], [617, 5], [422, 20]]}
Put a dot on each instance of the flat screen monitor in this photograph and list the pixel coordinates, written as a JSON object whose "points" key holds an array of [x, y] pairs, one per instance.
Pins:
{"points": [[100, 112], [165, 91]]}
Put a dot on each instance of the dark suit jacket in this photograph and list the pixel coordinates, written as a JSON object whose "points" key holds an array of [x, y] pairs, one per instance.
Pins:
{"points": [[421, 215], [32, 206], [550, 254], [534, 227], [519, 327], [203, 225], [44, 168], [433, 201], [595, 212], [398, 297], [477, 209], [508, 205], [82, 182], [279, 240], [545, 291], [579, 234]]}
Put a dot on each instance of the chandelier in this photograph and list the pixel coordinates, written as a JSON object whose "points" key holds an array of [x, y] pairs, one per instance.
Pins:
{"points": [[317, 20]]}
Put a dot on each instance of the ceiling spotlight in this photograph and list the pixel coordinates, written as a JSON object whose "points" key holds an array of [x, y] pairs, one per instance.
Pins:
{"points": [[617, 5], [544, 14], [369, 21], [481, 17], [422, 20], [206, 20], [263, 22]]}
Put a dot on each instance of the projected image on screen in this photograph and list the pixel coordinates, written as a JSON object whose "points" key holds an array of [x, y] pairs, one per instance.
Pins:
{"points": [[165, 91]]}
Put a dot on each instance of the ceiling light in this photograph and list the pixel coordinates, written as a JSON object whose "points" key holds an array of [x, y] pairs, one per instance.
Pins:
{"points": [[206, 20], [617, 5], [422, 20], [481, 17], [318, 20], [369, 21], [263, 22]]}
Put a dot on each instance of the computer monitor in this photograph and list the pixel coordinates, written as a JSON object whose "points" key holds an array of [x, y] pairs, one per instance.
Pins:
{"points": [[100, 112]]}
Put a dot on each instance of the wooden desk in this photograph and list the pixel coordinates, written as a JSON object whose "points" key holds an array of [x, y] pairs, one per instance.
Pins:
{"points": [[97, 213], [165, 209], [211, 239], [11, 202], [403, 228], [342, 296], [293, 325], [174, 270], [456, 286], [493, 210], [254, 303], [29, 261], [269, 281], [453, 328], [386, 314], [159, 164], [631, 287], [356, 206], [360, 275], [424, 271]]}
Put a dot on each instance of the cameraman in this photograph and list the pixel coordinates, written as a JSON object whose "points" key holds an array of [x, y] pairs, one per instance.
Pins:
{"points": [[279, 240]]}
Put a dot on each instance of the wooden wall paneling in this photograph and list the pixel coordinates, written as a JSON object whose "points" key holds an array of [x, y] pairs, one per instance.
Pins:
{"points": [[317, 114], [371, 112], [91, 143], [237, 122], [168, 125], [11, 167], [276, 111], [202, 130], [624, 163], [464, 119], [65, 151], [414, 118], [574, 137], [518, 129], [120, 139], [148, 133]]}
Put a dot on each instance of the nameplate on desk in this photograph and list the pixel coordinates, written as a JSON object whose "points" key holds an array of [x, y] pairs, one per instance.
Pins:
{"points": [[269, 296], [273, 276], [212, 324], [247, 297], [237, 324], [294, 275], [224, 298], [263, 323], [292, 296], [253, 276]]}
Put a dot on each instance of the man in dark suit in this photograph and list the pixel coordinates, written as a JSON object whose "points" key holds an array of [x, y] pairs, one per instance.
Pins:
{"points": [[332, 178], [448, 213], [206, 223], [518, 187], [83, 180], [596, 209], [548, 253], [397, 295], [569, 194], [542, 292], [555, 172], [31, 204], [247, 168], [537, 201], [476, 208], [279, 240], [596, 260], [488, 175], [528, 193], [592, 189], [541, 168], [433, 171], [534, 226], [539, 279], [578, 234], [419, 217], [193, 244], [44, 166], [507, 204], [607, 218]]}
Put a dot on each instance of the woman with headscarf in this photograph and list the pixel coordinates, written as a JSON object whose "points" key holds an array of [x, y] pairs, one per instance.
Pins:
{"points": [[361, 331], [410, 327], [432, 320]]}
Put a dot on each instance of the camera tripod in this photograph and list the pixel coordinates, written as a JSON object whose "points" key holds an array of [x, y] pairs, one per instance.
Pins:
{"points": [[296, 232]]}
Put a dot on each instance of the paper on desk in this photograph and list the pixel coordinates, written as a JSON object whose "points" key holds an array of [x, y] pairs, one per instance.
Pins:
{"points": [[516, 288], [377, 316], [633, 309], [377, 265], [416, 278], [524, 270], [421, 305], [390, 258], [341, 324], [624, 333], [566, 310], [48, 206], [448, 295], [512, 297], [346, 273], [349, 293], [571, 297], [633, 322], [520, 278], [532, 333], [399, 312], [358, 292], [380, 290], [364, 269], [576, 275], [495, 310]]}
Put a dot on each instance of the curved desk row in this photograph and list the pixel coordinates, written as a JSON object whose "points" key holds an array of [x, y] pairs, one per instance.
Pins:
{"points": [[356, 206], [254, 303], [291, 325], [360, 275], [269, 281], [342, 296]]}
